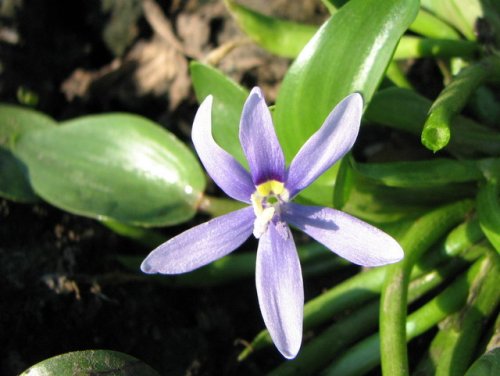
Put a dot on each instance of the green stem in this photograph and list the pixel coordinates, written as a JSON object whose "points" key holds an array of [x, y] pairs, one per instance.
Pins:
{"points": [[450, 102], [453, 348], [426, 231], [488, 209], [397, 76], [365, 355], [407, 110], [323, 348]]}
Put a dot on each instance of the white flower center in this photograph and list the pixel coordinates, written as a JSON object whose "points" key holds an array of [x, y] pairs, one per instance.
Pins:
{"points": [[266, 202]]}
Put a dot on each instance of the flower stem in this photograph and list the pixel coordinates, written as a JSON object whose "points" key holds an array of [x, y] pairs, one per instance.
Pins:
{"points": [[322, 349], [426, 231], [365, 355], [453, 348], [436, 132]]}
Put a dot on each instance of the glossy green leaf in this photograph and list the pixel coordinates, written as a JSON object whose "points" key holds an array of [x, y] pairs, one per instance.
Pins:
{"points": [[462, 14], [425, 23], [91, 362], [281, 37], [229, 98], [287, 39], [14, 183], [415, 47], [407, 110], [421, 174], [14, 120], [486, 365], [115, 166], [428, 25], [488, 209], [374, 201], [338, 61]]}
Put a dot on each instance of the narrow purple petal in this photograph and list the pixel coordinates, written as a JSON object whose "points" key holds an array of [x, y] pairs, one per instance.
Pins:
{"points": [[325, 147], [202, 244], [280, 289], [227, 173], [258, 139], [349, 237]]}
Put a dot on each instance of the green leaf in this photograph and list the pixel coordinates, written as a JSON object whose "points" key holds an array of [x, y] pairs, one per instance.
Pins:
{"points": [[349, 53], [452, 349], [428, 25], [281, 37], [229, 98], [14, 183], [343, 184], [450, 102], [115, 166], [415, 47], [462, 14], [91, 362], [421, 174], [486, 365], [14, 120], [407, 110], [488, 209]]}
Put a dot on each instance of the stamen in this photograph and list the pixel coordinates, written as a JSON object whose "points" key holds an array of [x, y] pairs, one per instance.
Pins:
{"points": [[266, 203], [270, 186], [262, 221]]}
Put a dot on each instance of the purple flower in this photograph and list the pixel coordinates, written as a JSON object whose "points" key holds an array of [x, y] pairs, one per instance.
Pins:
{"points": [[269, 188]]}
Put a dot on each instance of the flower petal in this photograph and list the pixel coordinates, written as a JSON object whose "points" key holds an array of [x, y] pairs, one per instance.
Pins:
{"points": [[258, 139], [325, 147], [226, 172], [349, 237], [280, 289], [202, 244]]}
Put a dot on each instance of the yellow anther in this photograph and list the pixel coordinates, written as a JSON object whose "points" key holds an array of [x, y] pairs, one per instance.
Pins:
{"points": [[270, 186]]}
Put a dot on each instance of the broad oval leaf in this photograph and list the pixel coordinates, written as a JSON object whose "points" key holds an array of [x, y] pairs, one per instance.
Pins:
{"points": [[349, 53], [91, 362], [14, 182], [229, 98], [114, 166], [14, 120]]}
